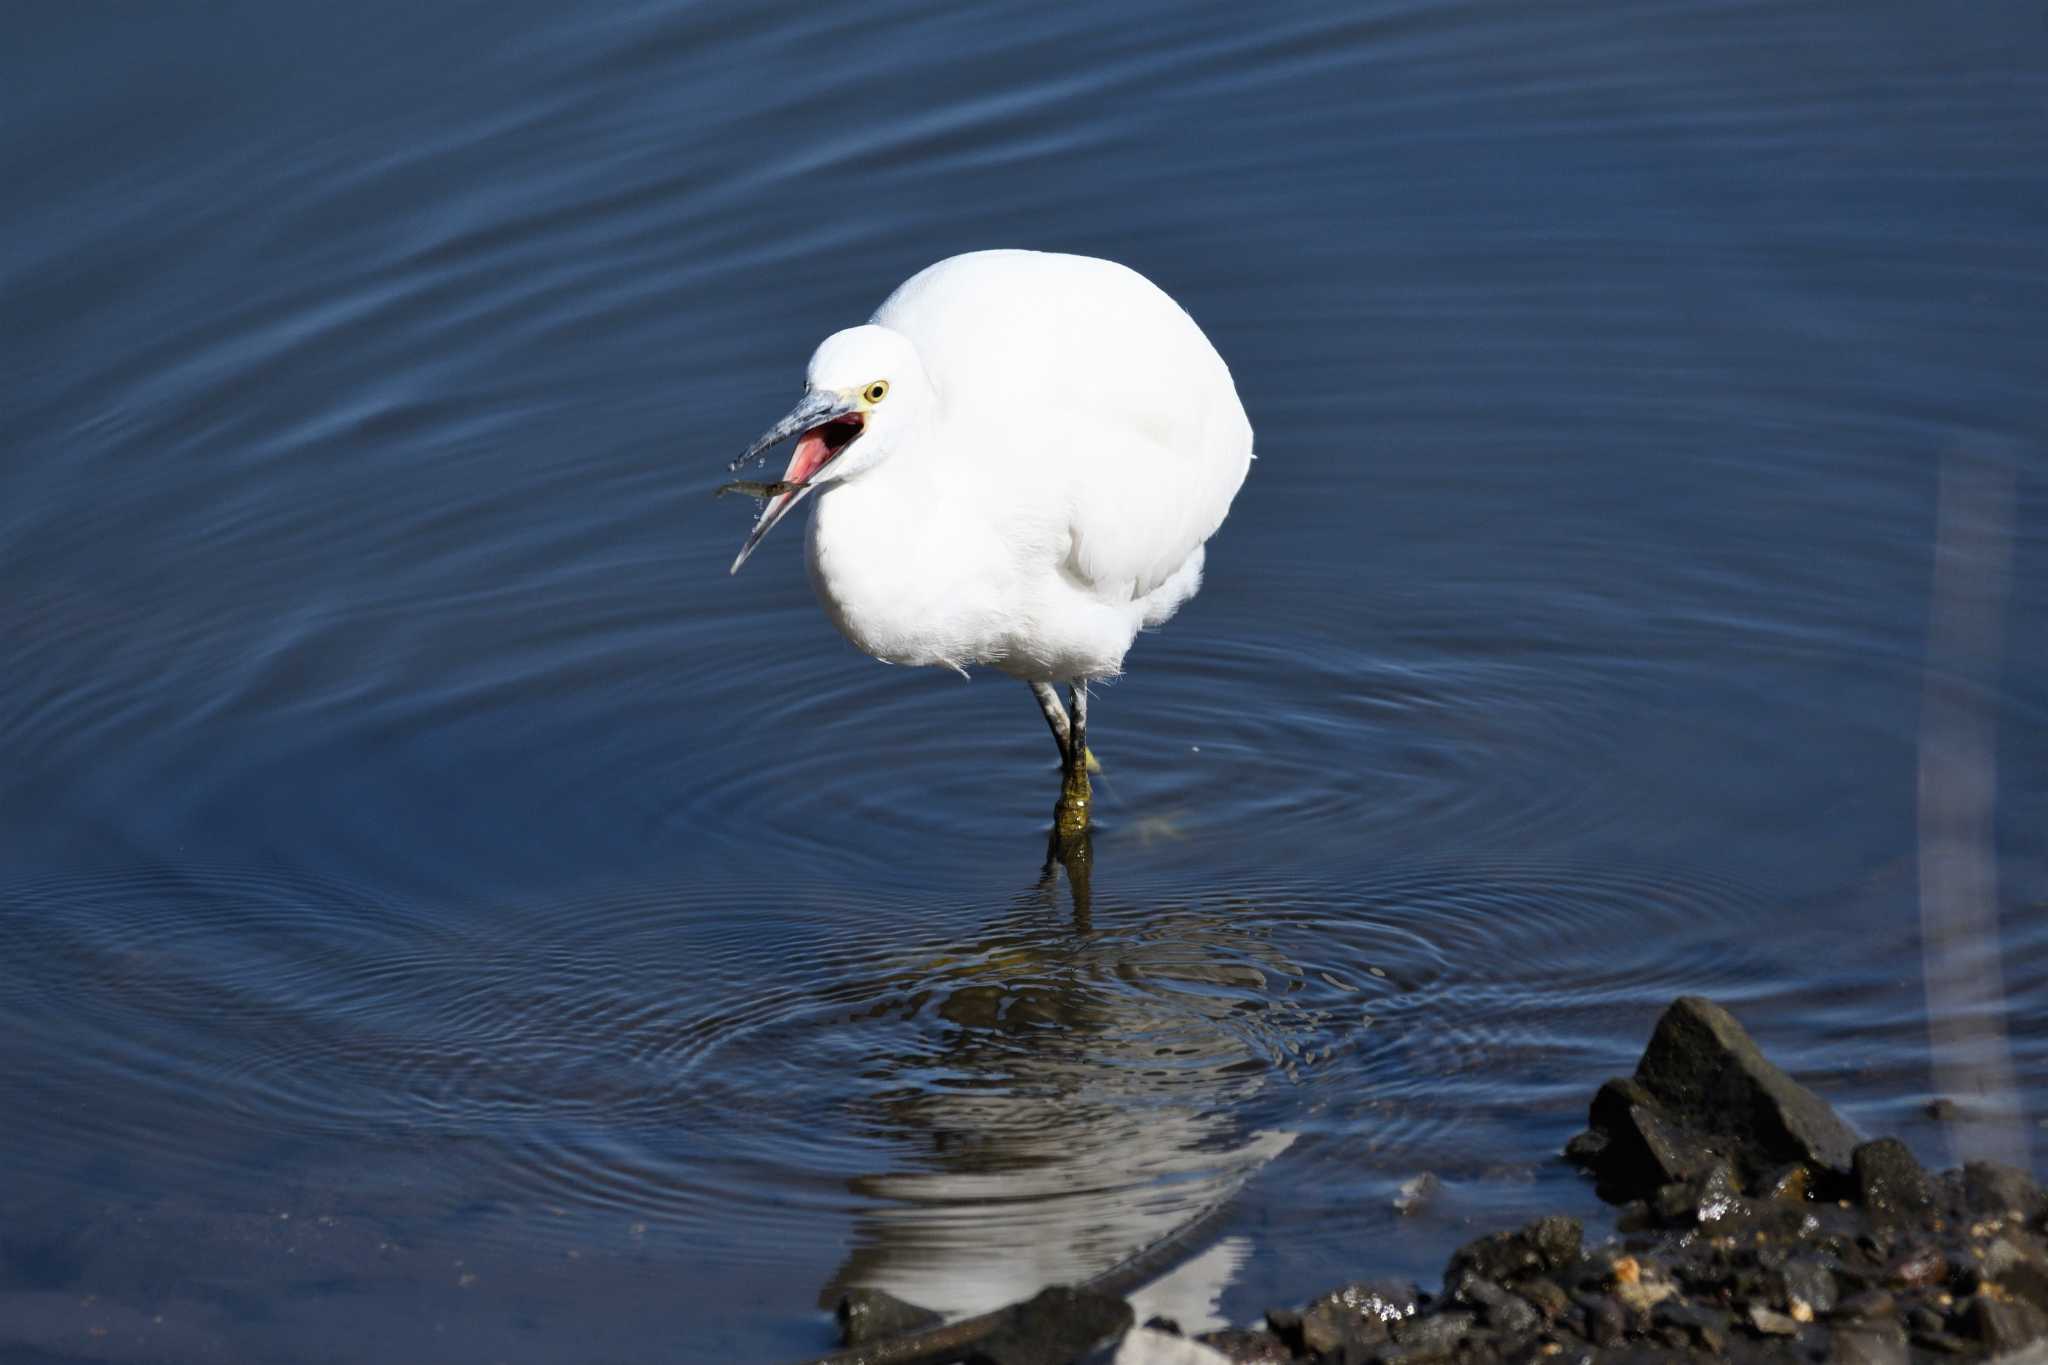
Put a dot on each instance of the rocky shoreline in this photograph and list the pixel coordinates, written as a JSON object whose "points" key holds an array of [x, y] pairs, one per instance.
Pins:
{"points": [[1753, 1225]]}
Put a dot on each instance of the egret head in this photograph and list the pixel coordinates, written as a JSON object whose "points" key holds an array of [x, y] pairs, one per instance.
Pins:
{"points": [[865, 392]]}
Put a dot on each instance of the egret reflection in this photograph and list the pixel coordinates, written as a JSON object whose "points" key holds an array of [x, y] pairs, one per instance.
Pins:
{"points": [[1078, 1096]]}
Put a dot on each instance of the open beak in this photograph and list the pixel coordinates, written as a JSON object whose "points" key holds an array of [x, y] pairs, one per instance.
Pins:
{"points": [[824, 423]]}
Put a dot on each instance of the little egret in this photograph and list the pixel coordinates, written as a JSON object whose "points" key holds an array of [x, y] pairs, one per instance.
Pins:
{"points": [[1015, 463]]}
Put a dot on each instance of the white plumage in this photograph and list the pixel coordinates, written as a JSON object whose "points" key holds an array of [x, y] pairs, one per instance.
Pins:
{"points": [[1014, 464]]}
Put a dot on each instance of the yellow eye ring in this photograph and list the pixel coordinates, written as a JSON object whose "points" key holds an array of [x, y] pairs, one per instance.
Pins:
{"points": [[876, 391]]}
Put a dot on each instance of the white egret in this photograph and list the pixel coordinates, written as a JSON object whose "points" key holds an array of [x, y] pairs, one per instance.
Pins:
{"points": [[1016, 462]]}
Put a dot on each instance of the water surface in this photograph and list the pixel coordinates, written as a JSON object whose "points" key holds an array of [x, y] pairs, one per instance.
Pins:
{"points": [[444, 915]]}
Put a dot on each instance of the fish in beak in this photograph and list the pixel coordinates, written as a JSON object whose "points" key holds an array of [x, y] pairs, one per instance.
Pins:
{"points": [[824, 423]]}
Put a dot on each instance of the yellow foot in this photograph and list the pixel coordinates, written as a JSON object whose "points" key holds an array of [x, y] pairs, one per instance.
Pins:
{"points": [[1070, 816], [1094, 764]]}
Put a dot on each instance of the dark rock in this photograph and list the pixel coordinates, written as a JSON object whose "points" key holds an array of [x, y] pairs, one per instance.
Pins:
{"points": [[1771, 1322], [1497, 1308], [1693, 1325], [2019, 1270], [1758, 1230], [1330, 1331], [1672, 1203], [1158, 1322], [1942, 1109], [1644, 1148], [1557, 1239], [1588, 1148], [1417, 1193], [1247, 1347], [1709, 1075], [2001, 1325], [1634, 1216], [871, 1315], [1606, 1321], [1546, 1245], [2004, 1255], [1386, 1300], [1916, 1268], [1345, 1323], [1285, 1324], [1788, 1184], [1870, 1303], [1810, 1283], [1432, 1337], [1547, 1297], [1053, 1327], [1992, 1188], [1889, 1182], [1717, 1196], [1945, 1342], [1868, 1344]]}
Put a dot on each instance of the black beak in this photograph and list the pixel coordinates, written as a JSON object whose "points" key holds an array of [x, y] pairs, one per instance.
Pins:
{"points": [[817, 408]]}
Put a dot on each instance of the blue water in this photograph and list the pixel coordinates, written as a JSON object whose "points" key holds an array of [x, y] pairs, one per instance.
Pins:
{"points": [[444, 916]]}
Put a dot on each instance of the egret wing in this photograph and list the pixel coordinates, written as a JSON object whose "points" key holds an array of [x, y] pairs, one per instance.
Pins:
{"points": [[1139, 509]]}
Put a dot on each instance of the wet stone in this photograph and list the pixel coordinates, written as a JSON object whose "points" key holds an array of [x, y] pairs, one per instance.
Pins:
{"points": [[1557, 1239], [1999, 1324], [1054, 1327], [2018, 1270], [1588, 1148], [1497, 1308], [1643, 1148], [1329, 1328], [870, 1315], [1548, 1244], [1889, 1182], [1788, 1184], [1606, 1321], [1285, 1323], [1247, 1347], [1417, 1193], [1634, 1216], [1385, 1299], [1869, 1303], [1771, 1322], [1809, 1283], [1757, 1230], [1917, 1267], [1547, 1297], [1710, 1075], [1868, 1344], [1991, 1187], [1434, 1337], [1947, 1343], [1673, 1203], [1693, 1325]]}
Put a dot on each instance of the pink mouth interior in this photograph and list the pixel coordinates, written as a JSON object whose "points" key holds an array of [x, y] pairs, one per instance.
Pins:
{"points": [[816, 447]]}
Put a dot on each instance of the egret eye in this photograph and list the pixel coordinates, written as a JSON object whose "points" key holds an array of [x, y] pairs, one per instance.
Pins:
{"points": [[876, 391]]}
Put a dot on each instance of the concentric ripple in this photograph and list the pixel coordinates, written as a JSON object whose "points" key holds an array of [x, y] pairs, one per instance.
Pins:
{"points": [[719, 1058], [411, 825]]}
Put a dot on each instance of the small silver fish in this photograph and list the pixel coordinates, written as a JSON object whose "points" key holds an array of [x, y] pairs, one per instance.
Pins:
{"points": [[758, 490]]}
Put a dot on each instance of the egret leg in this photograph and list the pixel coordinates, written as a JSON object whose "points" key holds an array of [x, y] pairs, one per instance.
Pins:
{"points": [[1055, 715], [1070, 817]]}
